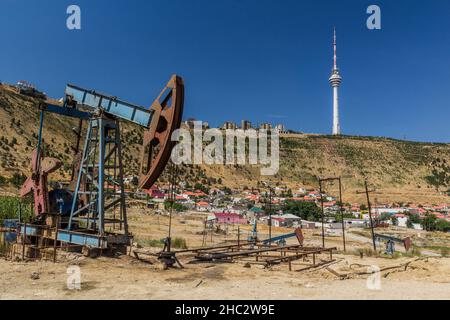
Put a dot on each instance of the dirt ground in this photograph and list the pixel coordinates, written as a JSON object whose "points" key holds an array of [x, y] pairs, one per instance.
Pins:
{"points": [[124, 277]]}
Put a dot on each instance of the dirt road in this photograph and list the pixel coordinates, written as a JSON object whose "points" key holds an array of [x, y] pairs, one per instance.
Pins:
{"points": [[126, 278]]}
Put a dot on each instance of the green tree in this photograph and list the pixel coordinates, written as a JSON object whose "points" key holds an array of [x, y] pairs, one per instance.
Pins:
{"points": [[413, 219], [439, 175], [303, 209], [175, 206], [385, 216], [289, 193], [429, 222], [199, 186], [443, 225], [227, 190], [135, 181], [17, 179], [394, 221]]}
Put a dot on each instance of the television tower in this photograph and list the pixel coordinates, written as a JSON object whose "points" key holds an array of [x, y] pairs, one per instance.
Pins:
{"points": [[335, 81]]}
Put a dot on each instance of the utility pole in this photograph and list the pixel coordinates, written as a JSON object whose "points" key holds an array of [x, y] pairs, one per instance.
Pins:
{"points": [[270, 216], [369, 207], [270, 210], [341, 207], [323, 213]]}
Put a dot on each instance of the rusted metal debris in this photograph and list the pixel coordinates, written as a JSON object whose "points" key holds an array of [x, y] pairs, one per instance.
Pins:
{"points": [[263, 254]]}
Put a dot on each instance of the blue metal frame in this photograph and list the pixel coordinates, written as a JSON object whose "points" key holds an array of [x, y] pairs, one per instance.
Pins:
{"points": [[82, 239], [111, 105], [101, 176], [68, 112], [77, 188], [279, 238], [95, 170]]}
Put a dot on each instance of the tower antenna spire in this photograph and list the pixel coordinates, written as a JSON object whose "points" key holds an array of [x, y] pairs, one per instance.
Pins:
{"points": [[335, 81], [335, 49]]}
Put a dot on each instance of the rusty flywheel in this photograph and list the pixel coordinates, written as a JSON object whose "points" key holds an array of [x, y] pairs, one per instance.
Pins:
{"points": [[157, 143]]}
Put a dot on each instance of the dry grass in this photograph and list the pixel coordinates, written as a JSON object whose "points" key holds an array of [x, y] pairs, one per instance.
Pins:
{"points": [[396, 168]]}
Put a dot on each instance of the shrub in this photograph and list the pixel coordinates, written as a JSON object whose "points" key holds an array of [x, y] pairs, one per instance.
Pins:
{"points": [[178, 207], [9, 208], [17, 179], [179, 243], [151, 243], [366, 252]]}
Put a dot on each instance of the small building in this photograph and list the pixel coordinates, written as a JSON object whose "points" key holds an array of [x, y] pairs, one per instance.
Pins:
{"points": [[401, 219], [190, 123], [308, 224], [335, 225], [257, 211], [285, 220], [265, 126], [278, 222], [291, 219], [229, 125], [230, 218], [155, 193], [246, 125], [417, 226], [240, 210], [280, 128], [356, 223], [202, 206]]}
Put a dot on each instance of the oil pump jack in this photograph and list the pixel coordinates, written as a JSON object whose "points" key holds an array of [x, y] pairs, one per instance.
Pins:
{"points": [[85, 213]]}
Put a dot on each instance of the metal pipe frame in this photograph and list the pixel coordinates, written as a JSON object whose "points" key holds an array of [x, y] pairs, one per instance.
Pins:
{"points": [[284, 251], [95, 172]]}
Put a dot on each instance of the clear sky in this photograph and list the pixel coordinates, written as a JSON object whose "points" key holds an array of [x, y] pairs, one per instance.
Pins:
{"points": [[261, 60]]}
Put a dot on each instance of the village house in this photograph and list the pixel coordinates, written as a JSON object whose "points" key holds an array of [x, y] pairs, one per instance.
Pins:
{"points": [[309, 198], [302, 191], [284, 220], [308, 224], [391, 211], [291, 219], [356, 223], [230, 218], [240, 210], [314, 194], [155, 193], [254, 213], [202, 206], [278, 222], [402, 220]]}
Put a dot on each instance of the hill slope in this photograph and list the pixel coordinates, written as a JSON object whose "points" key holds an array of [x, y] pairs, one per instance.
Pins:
{"points": [[400, 170], [19, 125]]}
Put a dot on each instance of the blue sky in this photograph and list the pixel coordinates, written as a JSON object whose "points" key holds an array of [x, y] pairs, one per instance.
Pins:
{"points": [[261, 60]]}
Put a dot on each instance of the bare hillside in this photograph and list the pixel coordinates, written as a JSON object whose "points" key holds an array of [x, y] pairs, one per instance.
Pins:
{"points": [[401, 171]]}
